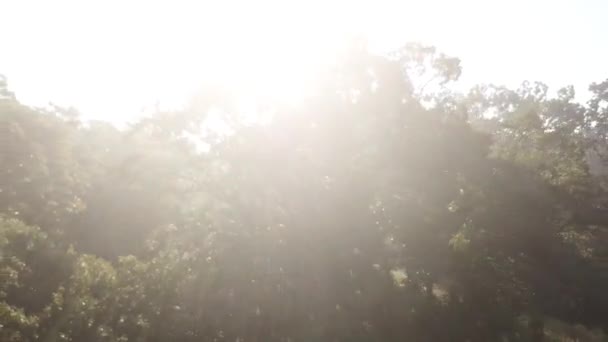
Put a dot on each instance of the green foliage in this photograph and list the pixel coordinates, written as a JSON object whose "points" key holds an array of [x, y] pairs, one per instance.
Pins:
{"points": [[22, 250], [384, 207]]}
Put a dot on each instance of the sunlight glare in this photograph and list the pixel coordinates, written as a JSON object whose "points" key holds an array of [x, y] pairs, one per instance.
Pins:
{"points": [[116, 60]]}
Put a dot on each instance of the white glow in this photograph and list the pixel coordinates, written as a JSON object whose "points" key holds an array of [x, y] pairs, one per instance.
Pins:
{"points": [[112, 58]]}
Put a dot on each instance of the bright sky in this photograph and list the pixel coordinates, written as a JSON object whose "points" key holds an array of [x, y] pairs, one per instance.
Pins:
{"points": [[113, 58]]}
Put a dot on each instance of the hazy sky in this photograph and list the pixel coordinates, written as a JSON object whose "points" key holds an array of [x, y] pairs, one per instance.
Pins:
{"points": [[110, 59]]}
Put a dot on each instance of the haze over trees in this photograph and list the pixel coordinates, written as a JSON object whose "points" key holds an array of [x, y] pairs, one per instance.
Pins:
{"points": [[382, 207]]}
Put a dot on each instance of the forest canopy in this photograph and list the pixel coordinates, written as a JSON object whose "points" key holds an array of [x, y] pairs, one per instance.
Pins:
{"points": [[384, 206]]}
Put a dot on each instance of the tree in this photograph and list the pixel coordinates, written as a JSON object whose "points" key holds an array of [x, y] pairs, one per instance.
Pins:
{"points": [[383, 207]]}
